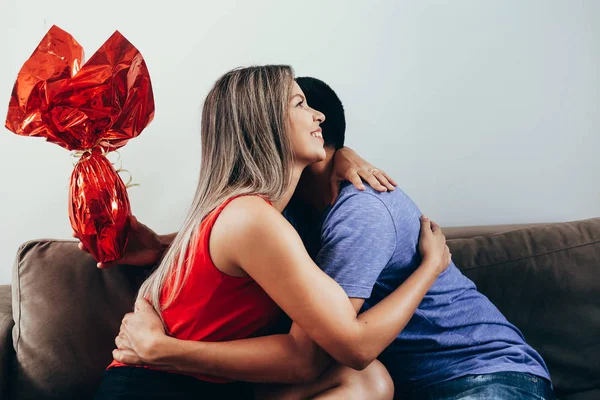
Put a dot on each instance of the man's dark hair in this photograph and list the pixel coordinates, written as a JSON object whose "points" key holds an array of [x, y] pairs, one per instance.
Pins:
{"points": [[322, 98]]}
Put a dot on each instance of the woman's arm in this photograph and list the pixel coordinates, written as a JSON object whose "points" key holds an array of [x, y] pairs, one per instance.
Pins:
{"points": [[270, 251], [289, 358]]}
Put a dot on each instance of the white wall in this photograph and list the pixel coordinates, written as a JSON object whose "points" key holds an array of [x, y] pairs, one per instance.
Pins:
{"points": [[486, 112]]}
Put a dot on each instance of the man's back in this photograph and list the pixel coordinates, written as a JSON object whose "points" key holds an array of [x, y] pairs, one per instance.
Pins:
{"points": [[369, 245]]}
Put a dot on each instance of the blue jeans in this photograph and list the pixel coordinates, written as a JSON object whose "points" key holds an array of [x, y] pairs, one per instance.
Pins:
{"points": [[496, 386]]}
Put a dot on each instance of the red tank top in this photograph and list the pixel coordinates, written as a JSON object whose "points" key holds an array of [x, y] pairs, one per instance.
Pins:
{"points": [[213, 306]]}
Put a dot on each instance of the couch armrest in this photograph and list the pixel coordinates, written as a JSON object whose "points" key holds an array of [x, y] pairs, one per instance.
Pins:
{"points": [[7, 352], [67, 313]]}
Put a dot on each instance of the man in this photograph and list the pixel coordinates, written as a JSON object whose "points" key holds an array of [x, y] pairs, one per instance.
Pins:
{"points": [[457, 345]]}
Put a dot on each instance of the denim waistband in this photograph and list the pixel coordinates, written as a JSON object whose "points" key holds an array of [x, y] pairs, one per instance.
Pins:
{"points": [[536, 385]]}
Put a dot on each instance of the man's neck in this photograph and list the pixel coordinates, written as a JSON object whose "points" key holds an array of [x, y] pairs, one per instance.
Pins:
{"points": [[314, 187], [282, 203]]}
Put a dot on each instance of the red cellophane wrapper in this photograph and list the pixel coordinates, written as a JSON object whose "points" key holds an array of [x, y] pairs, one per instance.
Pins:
{"points": [[92, 109]]}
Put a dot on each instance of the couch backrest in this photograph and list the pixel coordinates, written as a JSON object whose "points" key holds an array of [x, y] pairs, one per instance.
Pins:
{"points": [[546, 281]]}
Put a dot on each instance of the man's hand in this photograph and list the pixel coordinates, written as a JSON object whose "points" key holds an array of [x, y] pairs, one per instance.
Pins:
{"points": [[124, 354], [144, 246], [140, 335], [349, 166]]}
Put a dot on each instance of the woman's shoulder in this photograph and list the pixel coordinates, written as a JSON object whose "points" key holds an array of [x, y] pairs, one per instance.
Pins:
{"points": [[249, 212], [246, 224]]}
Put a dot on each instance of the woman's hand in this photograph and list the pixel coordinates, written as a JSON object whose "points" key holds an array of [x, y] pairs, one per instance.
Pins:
{"points": [[140, 335], [349, 166], [432, 245], [144, 246]]}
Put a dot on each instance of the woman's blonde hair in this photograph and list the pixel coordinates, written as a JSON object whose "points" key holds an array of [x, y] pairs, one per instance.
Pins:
{"points": [[245, 149]]}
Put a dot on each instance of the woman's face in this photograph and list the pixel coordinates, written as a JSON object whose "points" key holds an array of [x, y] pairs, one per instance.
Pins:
{"points": [[305, 133]]}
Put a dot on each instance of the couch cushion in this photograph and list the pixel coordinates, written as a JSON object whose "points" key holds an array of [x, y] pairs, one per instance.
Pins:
{"points": [[67, 313], [587, 395], [545, 280]]}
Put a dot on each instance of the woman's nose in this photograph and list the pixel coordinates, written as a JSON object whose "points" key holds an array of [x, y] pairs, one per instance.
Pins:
{"points": [[319, 116]]}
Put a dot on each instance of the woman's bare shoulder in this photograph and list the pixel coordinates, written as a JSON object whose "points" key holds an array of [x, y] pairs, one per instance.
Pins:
{"points": [[250, 214]]}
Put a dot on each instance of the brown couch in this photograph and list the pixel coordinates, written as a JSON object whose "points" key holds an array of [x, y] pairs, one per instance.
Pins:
{"points": [[58, 322]]}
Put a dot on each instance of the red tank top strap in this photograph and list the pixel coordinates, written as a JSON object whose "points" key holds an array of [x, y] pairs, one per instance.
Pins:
{"points": [[217, 211], [229, 200]]}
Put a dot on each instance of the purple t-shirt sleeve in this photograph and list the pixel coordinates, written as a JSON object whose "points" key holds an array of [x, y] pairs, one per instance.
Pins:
{"points": [[358, 240]]}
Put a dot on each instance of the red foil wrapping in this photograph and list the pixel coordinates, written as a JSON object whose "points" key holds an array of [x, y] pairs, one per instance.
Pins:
{"points": [[94, 108], [99, 207]]}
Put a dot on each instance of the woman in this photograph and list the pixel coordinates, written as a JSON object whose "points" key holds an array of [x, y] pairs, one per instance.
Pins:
{"points": [[236, 261]]}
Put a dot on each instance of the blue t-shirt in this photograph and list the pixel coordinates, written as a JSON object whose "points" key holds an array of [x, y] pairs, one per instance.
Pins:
{"points": [[368, 243]]}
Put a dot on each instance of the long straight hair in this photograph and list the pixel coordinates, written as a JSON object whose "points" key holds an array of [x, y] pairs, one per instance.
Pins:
{"points": [[245, 150]]}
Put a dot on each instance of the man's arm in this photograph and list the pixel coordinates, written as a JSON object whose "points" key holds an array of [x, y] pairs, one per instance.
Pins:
{"points": [[165, 242], [145, 248]]}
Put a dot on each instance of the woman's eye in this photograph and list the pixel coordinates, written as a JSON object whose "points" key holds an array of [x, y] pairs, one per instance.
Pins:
{"points": [[301, 104]]}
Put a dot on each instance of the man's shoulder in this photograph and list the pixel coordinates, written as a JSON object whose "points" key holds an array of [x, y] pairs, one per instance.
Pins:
{"points": [[370, 203], [348, 190], [388, 199], [356, 224], [352, 198], [355, 204]]}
